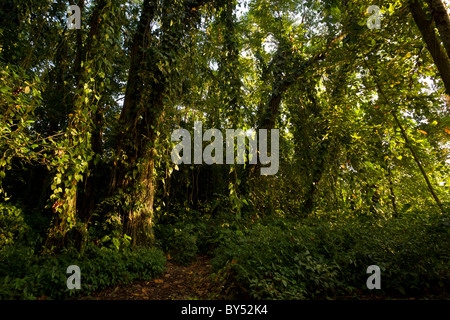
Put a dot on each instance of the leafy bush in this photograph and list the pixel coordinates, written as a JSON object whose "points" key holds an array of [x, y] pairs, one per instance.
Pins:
{"points": [[24, 275], [275, 263], [180, 241], [183, 240], [12, 224], [412, 253], [285, 260]]}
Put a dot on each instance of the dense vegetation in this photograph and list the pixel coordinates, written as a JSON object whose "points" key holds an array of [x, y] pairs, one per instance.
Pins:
{"points": [[87, 115]]}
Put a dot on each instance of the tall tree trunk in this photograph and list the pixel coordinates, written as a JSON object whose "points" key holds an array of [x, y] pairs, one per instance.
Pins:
{"points": [[283, 82], [73, 199], [321, 158], [139, 119], [231, 84], [86, 194], [437, 52], [442, 20], [135, 126]]}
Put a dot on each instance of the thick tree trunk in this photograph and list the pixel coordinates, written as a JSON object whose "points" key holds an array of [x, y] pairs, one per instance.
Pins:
{"points": [[437, 52], [137, 140], [139, 121], [86, 196], [231, 85], [80, 201], [139, 221], [131, 141], [442, 21]]}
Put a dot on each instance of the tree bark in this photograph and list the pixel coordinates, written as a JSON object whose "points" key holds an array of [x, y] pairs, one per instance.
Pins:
{"points": [[437, 52], [139, 119], [442, 20], [131, 141], [80, 202], [86, 193]]}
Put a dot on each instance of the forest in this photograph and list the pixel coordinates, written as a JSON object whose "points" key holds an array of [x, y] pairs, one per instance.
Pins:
{"points": [[224, 149]]}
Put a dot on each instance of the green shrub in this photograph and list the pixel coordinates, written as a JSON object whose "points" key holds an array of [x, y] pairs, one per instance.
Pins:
{"points": [[289, 260], [184, 240], [25, 275], [179, 240], [275, 263], [184, 247], [12, 224]]}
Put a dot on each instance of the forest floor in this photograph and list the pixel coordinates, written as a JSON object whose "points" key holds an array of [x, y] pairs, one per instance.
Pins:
{"points": [[192, 282]]}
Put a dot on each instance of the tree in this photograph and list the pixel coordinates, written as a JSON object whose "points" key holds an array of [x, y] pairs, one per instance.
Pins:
{"points": [[151, 57], [425, 25]]}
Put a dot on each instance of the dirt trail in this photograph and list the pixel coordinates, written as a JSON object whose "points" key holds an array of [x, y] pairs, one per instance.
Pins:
{"points": [[176, 283]]}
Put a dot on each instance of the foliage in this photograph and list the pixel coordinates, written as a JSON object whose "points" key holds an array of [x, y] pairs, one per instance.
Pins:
{"points": [[318, 259], [86, 118], [180, 241], [12, 224], [25, 275]]}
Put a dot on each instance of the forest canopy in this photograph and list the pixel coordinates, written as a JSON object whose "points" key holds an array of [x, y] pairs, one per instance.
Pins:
{"points": [[351, 108]]}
